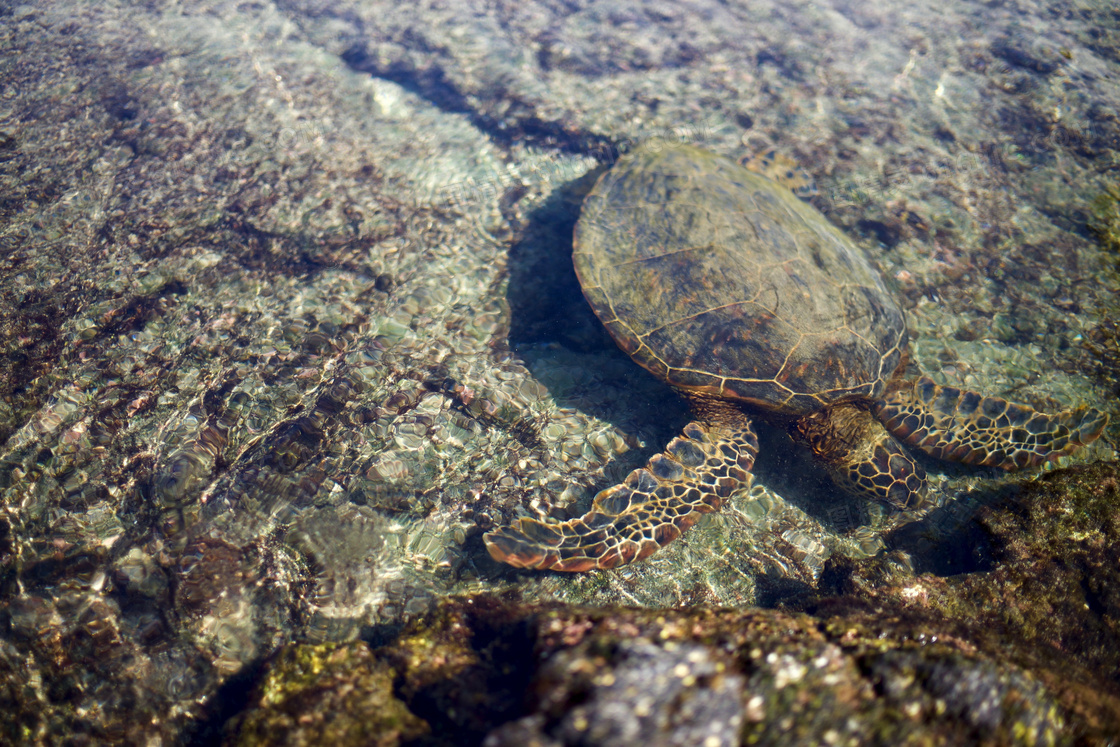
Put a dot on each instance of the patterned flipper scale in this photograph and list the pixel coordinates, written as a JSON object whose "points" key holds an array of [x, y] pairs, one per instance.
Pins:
{"points": [[966, 427], [647, 511], [862, 457]]}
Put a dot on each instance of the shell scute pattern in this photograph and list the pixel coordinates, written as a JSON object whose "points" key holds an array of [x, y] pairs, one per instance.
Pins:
{"points": [[712, 279]]}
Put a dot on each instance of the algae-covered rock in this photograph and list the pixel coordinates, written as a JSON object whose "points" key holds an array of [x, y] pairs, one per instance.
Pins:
{"points": [[561, 675], [630, 692], [331, 694], [796, 681], [465, 667], [1048, 601], [1104, 219]]}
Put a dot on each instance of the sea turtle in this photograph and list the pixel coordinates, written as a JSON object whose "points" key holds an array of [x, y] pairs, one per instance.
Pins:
{"points": [[750, 303]]}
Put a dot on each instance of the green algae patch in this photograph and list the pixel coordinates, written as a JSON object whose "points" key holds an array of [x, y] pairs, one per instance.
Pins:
{"points": [[1058, 576], [336, 694], [1104, 218]]}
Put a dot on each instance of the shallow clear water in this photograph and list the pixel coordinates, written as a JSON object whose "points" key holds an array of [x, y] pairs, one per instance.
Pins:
{"points": [[288, 318]]}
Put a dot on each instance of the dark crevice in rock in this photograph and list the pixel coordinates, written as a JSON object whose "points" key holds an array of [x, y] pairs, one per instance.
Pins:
{"points": [[231, 699]]}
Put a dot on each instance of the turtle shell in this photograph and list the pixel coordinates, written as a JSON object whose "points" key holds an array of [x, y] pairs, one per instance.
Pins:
{"points": [[721, 282]]}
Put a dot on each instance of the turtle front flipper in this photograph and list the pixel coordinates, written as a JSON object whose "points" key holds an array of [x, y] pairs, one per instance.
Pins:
{"points": [[966, 427], [861, 456], [647, 511]]}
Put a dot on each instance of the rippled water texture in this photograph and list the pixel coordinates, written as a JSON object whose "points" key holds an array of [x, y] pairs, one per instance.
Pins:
{"points": [[288, 319]]}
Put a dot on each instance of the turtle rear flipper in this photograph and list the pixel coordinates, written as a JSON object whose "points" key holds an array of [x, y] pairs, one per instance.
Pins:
{"points": [[647, 511], [966, 427]]}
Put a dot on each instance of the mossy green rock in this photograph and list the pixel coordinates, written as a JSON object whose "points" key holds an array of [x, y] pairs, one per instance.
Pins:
{"points": [[333, 694]]}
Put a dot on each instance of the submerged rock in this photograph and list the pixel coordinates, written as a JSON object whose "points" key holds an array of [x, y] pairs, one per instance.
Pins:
{"points": [[330, 694]]}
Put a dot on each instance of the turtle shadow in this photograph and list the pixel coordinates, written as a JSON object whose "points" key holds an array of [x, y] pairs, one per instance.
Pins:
{"points": [[950, 540], [561, 341], [788, 468], [944, 540], [544, 296]]}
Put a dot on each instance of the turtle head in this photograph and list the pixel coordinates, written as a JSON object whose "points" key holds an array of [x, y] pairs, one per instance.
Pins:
{"points": [[861, 456]]}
